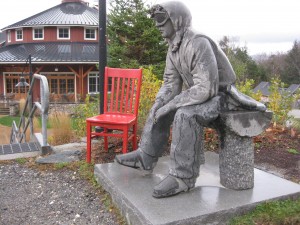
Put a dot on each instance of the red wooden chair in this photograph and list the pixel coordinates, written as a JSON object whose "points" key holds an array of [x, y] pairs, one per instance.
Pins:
{"points": [[121, 104]]}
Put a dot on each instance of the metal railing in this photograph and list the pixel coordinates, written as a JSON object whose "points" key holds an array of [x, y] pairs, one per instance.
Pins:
{"points": [[18, 133]]}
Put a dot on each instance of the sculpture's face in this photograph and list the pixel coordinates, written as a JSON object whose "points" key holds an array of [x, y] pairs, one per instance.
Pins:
{"points": [[167, 30], [163, 21]]}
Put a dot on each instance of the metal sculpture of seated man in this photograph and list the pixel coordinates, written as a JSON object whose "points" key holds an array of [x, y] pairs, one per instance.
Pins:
{"points": [[198, 86]]}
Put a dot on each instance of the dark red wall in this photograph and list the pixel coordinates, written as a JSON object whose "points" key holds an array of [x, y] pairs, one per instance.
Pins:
{"points": [[50, 35]]}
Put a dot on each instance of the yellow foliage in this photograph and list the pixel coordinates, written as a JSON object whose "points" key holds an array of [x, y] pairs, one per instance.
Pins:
{"points": [[150, 86], [246, 87]]}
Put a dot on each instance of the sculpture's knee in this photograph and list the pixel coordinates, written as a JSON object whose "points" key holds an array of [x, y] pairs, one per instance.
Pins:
{"points": [[182, 114]]}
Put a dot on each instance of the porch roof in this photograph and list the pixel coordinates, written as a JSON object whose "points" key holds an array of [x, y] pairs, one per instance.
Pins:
{"points": [[51, 52]]}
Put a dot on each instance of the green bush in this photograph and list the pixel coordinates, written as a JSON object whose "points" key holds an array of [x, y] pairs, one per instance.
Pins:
{"points": [[83, 111]]}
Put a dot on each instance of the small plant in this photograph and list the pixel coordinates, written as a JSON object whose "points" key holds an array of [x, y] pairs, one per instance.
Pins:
{"points": [[293, 151], [60, 165], [21, 160], [280, 101]]}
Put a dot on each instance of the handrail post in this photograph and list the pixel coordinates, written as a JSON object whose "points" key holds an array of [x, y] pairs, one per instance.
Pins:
{"points": [[43, 107]]}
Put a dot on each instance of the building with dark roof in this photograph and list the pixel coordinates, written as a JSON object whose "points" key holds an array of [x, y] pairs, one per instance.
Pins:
{"points": [[263, 87], [63, 44]]}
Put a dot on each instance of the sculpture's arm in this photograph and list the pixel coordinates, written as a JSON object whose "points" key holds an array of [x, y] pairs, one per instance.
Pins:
{"points": [[171, 87], [203, 67], [172, 84]]}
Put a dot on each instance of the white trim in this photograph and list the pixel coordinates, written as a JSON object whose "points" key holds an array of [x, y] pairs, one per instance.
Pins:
{"points": [[49, 25], [9, 36], [69, 30], [97, 84], [33, 33], [90, 28], [51, 73], [4, 83], [53, 62], [16, 34]]}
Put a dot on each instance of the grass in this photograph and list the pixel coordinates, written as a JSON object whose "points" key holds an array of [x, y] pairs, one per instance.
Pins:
{"points": [[272, 213], [293, 151], [21, 160], [8, 120]]}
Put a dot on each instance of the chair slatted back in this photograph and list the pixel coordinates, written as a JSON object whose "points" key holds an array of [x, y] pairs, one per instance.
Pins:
{"points": [[122, 90]]}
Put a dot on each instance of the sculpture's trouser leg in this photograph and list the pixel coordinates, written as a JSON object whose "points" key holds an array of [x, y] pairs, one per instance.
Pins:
{"points": [[187, 139], [155, 136]]}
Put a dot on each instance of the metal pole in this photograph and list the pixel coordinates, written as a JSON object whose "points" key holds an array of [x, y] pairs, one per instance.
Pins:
{"points": [[30, 100], [102, 50]]}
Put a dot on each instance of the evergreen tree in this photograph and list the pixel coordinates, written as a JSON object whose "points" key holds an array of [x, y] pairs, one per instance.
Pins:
{"points": [[133, 39], [291, 73], [243, 65]]}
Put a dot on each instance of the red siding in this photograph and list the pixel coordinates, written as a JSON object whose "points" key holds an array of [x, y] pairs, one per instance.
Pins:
{"points": [[50, 35]]}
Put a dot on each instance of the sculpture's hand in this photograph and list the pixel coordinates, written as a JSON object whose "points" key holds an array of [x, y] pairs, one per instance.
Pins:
{"points": [[164, 111], [154, 108]]}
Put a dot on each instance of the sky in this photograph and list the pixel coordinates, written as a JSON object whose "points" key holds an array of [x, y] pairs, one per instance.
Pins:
{"points": [[263, 26]]}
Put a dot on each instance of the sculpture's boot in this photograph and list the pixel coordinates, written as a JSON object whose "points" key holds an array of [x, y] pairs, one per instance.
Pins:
{"points": [[138, 160], [170, 186]]}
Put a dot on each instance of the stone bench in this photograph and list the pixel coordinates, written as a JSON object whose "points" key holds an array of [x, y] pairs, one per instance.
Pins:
{"points": [[236, 130]]}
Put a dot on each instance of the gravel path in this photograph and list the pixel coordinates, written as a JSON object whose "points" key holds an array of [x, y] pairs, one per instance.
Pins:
{"points": [[30, 196]]}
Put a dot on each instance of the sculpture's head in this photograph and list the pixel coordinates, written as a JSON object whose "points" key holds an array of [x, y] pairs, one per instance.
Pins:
{"points": [[172, 19]]}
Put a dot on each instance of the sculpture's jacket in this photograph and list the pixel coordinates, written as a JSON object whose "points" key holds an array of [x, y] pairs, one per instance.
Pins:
{"points": [[196, 68]]}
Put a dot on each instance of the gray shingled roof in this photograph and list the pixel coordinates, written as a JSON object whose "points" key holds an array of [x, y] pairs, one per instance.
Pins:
{"points": [[71, 14], [58, 52], [263, 87], [293, 88]]}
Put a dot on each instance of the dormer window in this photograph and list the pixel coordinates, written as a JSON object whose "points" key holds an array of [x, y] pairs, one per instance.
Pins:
{"points": [[19, 35], [8, 36], [63, 33], [89, 34], [38, 34]]}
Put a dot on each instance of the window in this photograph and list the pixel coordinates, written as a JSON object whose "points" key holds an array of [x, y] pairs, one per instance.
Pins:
{"points": [[90, 34], [8, 36], [38, 34], [62, 84], [63, 33], [53, 86], [19, 35], [93, 83], [11, 81]]}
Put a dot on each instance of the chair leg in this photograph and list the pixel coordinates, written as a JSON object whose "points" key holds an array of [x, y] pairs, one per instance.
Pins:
{"points": [[105, 140], [134, 139], [125, 140], [88, 142]]}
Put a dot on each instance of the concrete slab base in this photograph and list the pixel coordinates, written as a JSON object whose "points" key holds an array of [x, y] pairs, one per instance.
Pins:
{"points": [[208, 203]]}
